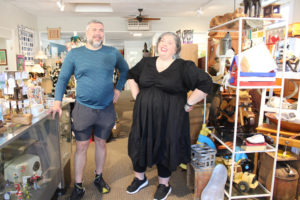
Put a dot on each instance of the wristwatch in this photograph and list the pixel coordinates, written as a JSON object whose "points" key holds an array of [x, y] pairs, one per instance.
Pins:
{"points": [[187, 106]]}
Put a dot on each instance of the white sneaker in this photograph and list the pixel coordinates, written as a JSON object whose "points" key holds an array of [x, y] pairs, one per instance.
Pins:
{"points": [[256, 139]]}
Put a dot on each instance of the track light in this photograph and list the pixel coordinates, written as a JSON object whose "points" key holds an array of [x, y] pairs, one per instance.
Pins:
{"points": [[58, 3], [199, 11], [61, 5]]}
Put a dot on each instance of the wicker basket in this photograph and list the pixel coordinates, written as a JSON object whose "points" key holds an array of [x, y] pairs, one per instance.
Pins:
{"points": [[24, 119]]}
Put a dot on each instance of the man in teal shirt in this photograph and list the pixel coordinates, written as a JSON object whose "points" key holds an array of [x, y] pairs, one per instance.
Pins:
{"points": [[93, 66]]}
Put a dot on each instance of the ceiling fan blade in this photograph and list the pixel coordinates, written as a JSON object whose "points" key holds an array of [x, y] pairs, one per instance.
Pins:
{"points": [[149, 18]]}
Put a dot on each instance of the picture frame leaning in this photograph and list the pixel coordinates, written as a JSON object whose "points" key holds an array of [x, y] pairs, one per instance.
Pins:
{"points": [[3, 57]]}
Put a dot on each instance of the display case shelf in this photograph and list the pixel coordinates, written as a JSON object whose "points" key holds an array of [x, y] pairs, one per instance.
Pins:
{"points": [[14, 133]]}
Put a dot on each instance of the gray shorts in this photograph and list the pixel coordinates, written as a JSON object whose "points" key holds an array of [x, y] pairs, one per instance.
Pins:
{"points": [[86, 119]]}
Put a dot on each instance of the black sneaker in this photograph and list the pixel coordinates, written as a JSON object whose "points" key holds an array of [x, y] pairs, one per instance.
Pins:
{"points": [[77, 192], [101, 185], [136, 185], [162, 192]]}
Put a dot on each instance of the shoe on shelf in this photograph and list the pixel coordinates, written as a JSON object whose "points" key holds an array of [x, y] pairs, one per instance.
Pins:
{"points": [[256, 139], [77, 192], [136, 185], [162, 192], [101, 185]]}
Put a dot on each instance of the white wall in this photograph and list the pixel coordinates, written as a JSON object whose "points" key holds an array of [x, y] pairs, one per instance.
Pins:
{"points": [[296, 11], [11, 17], [2, 43]]}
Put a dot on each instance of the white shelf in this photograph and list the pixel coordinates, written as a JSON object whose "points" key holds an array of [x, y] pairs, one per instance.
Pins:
{"points": [[256, 87], [276, 110], [260, 191], [269, 148], [223, 27], [239, 26], [288, 75]]}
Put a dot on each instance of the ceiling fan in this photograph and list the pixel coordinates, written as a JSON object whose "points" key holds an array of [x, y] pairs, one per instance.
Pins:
{"points": [[141, 17]]}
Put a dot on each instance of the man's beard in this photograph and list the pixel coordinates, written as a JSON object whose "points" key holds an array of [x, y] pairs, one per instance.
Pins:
{"points": [[95, 44]]}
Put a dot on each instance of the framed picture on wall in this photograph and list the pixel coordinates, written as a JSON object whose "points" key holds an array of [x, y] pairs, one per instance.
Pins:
{"points": [[3, 57], [20, 63]]}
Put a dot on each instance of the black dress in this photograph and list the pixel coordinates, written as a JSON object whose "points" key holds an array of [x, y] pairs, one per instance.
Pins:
{"points": [[160, 131]]}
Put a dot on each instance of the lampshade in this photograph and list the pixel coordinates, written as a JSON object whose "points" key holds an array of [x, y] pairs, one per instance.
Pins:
{"points": [[37, 69], [40, 55]]}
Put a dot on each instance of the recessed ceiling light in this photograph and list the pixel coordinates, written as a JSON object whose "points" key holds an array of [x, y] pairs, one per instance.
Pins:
{"points": [[92, 7]]}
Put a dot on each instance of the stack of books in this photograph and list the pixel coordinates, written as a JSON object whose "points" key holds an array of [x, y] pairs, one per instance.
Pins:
{"points": [[254, 146]]}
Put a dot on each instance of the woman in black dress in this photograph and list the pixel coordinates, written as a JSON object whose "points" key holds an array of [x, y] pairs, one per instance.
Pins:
{"points": [[160, 131]]}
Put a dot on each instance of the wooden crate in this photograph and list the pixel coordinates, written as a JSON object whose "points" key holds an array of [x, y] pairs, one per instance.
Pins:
{"points": [[197, 179]]}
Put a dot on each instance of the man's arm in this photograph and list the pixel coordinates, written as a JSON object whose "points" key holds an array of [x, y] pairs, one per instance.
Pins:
{"points": [[65, 74], [123, 68], [56, 109]]}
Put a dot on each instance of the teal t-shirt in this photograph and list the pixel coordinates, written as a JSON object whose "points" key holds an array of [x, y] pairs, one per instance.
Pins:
{"points": [[93, 71]]}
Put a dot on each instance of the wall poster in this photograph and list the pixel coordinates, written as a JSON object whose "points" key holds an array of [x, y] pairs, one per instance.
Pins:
{"points": [[26, 43]]}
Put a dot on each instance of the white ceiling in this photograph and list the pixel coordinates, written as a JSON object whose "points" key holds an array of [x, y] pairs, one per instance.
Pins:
{"points": [[125, 8]]}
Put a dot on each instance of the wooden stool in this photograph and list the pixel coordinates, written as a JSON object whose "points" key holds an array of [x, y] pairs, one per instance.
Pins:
{"points": [[197, 179]]}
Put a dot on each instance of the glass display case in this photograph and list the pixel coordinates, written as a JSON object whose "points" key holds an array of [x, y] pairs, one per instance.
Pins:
{"points": [[33, 158], [65, 140]]}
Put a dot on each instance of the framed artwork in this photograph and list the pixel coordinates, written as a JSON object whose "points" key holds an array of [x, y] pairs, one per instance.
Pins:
{"points": [[20, 63], [26, 43], [3, 57]]}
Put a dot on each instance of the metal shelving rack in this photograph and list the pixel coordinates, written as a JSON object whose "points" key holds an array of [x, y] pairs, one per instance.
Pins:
{"points": [[268, 23]]}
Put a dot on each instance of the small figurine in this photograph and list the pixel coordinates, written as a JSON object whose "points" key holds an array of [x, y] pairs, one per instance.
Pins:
{"points": [[8, 183], [17, 186], [19, 195], [25, 191], [34, 179], [6, 196], [16, 177]]}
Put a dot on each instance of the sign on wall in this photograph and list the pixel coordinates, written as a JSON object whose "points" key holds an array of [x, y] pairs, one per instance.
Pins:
{"points": [[53, 33]]}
